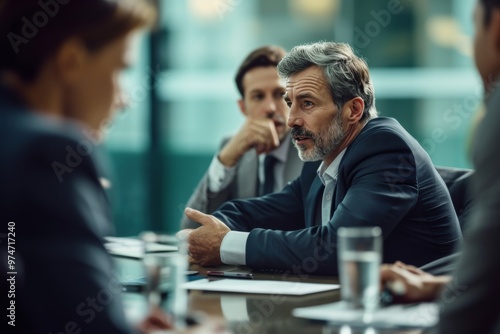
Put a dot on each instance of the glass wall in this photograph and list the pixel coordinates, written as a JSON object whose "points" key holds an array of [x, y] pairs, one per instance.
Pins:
{"points": [[184, 97]]}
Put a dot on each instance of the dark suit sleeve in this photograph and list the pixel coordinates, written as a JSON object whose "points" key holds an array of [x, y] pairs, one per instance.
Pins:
{"points": [[269, 212], [65, 274], [380, 177], [471, 303]]}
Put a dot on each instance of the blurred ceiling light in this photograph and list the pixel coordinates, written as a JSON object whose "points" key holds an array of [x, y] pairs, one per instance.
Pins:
{"points": [[445, 31], [317, 9], [209, 10]]}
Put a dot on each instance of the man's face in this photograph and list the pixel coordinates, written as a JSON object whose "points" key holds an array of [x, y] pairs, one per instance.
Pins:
{"points": [[92, 99], [264, 97], [315, 120], [485, 48]]}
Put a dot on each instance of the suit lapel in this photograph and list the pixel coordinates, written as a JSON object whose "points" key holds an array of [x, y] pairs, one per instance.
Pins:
{"points": [[293, 166], [312, 200], [247, 175]]}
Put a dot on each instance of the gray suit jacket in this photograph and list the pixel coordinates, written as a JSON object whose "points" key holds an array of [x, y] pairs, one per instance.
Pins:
{"points": [[471, 304], [244, 184]]}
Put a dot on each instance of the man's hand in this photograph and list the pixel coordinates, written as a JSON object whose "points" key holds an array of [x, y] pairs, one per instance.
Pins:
{"points": [[258, 133], [415, 284], [204, 242]]}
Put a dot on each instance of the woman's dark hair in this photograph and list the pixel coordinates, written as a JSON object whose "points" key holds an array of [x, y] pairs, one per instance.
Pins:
{"points": [[33, 30]]}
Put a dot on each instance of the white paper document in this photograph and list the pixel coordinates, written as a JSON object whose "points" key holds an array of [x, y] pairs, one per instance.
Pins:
{"points": [[259, 286], [130, 247], [422, 315]]}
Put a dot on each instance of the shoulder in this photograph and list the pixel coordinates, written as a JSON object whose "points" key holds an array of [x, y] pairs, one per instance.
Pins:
{"points": [[381, 135], [383, 128], [26, 128], [381, 145], [33, 142]]}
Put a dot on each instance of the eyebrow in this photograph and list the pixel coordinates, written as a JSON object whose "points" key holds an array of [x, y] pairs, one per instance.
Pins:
{"points": [[305, 96], [300, 96], [255, 90]]}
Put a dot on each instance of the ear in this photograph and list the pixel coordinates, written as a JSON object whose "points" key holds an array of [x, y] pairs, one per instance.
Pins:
{"points": [[241, 104], [69, 61], [353, 110]]}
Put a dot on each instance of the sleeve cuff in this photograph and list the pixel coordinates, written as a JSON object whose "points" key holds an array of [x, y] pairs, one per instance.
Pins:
{"points": [[219, 176], [233, 248]]}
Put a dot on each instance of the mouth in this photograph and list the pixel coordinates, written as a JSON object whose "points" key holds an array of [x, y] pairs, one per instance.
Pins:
{"points": [[300, 136], [300, 139]]}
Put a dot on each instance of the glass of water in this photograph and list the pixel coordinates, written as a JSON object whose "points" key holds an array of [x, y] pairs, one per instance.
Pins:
{"points": [[165, 272], [359, 258]]}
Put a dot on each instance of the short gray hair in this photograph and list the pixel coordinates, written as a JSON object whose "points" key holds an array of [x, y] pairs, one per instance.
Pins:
{"points": [[347, 75]]}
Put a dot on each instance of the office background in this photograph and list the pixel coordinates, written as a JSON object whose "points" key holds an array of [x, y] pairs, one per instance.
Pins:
{"points": [[183, 97]]}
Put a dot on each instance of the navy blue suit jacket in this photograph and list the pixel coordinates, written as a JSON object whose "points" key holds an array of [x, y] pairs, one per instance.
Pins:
{"points": [[385, 179], [64, 278]]}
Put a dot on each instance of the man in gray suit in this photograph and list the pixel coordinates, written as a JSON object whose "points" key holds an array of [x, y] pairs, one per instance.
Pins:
{"points": [[470, 298], [259, 158]]}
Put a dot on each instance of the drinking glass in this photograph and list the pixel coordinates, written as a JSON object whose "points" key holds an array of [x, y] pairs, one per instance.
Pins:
{"points": [[165, 273], [359, 258]]}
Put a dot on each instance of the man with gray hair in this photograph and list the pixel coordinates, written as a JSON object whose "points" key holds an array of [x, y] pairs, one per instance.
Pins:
{"points": [[372, 173]]}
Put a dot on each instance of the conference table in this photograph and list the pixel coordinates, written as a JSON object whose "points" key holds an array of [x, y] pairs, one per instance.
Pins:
{"points": [[249, 313]]}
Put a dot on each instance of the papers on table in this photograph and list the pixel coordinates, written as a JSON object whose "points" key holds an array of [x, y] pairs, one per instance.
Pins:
{"points": [[130, 247], [421, 315], [259, 286]]}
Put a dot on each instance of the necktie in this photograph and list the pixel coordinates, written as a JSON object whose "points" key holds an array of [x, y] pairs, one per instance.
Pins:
{"points": [[268, 185]]}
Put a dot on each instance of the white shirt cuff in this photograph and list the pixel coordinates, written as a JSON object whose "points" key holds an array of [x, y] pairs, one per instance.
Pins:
{"points": [[233, 248], [219, 176]]}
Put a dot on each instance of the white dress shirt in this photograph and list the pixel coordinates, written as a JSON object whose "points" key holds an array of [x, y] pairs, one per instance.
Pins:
{"points": [[328, 176]]}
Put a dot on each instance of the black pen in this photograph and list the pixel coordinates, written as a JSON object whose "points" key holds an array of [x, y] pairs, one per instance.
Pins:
{"points": [[232, 274]]}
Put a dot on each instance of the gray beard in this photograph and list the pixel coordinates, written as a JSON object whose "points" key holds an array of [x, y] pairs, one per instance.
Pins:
{"points": [[324, 143]]}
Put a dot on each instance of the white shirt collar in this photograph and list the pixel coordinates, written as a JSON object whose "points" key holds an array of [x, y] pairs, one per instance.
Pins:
{"points": [[327, 174]]}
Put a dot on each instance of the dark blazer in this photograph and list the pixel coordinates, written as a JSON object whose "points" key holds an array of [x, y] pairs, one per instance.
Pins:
{"points": [[244, 184], [385, 179], [472, 301], [64, 278], [458, 181]]}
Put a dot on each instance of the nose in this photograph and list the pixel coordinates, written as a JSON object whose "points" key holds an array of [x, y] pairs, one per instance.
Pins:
{"points": [[270, 108], [294, 120]]}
